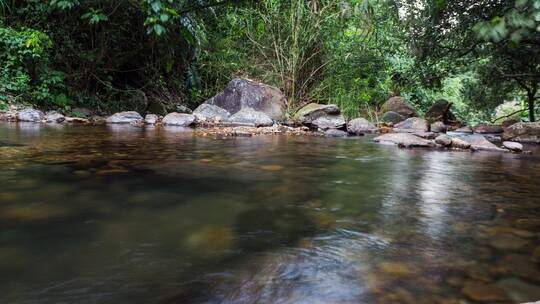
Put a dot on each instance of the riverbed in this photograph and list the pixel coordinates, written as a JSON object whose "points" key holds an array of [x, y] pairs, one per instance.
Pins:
{"points": [[122, 214]]}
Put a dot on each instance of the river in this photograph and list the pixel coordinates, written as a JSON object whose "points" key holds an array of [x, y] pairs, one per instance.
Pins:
{"points": [[96, 214]]}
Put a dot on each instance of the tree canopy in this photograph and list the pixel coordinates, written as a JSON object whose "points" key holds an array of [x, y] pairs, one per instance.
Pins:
{"points": [[125, 54]]}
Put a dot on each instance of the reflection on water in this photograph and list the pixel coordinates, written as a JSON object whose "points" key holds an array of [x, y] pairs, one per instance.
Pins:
{"points": [[134, 215]]}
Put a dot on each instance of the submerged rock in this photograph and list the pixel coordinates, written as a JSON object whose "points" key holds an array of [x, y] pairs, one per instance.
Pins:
{"points": [[211, 113], [459, 143], [360, 126], [404, 139], [484, 292], [250, 117], [178, 119], [392, 117], [412, 124], [30, 115], [54, 117], [523, 132], [243, 93], [513, 146], [519, 290], [151, 119], [487, 129], [399, 105], [443, 140], [479, 142], [125, 118]]}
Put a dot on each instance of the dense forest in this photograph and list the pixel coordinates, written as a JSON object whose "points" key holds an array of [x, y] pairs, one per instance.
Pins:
{"points": [[482, 55]]}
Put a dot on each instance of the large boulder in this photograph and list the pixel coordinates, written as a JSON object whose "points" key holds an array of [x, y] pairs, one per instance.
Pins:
{"points": [[211, 113], [443, 140], [31, 115], [178, 119], [439, 127], [243, 93], [413, 124], [440, 111], [125, 118], [320, 116], [479, 142], [250, 117], [404, 139], [392, 117], [487, 129], [399, 105], [524, 132], [360, 126]]}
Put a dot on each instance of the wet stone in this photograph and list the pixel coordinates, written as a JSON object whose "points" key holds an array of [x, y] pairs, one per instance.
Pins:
{"points": [[508, 242], [395, 269], [484, 292], [519, 290], [528, 224]]}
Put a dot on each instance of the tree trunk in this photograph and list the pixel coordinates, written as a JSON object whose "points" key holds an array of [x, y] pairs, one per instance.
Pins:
{"points": [[530, 100]]}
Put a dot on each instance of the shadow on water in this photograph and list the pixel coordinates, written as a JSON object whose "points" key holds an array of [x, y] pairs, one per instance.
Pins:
{"points": [[134, 215]]}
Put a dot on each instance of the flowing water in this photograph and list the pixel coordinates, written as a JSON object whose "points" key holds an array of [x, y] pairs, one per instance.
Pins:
{"points": [[130, 215]]}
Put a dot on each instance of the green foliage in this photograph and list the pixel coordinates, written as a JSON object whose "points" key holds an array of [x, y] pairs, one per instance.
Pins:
{"points": [[25, 73]]}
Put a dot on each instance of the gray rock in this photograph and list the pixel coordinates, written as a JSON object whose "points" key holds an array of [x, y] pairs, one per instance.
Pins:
{"points": [[321, 116], [54, 117], [30, 115], [404, 139], [392, 117], [465, 130], [520, 291], [251, 117], [399, 105], [487, 129], [439, 127], [524, 132], [479, 142], [178, 119], [513, 146], [459, 143], [423, 134], [443, 140], [243, 93], [211, 113], [125, 118], [151, 119], [412, 124], [360, 126], [335, 133]]}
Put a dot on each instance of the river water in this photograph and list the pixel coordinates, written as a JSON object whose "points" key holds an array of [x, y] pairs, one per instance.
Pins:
{"points": [[94, 215]]}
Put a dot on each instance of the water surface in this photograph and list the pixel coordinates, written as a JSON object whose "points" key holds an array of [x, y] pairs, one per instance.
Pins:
{"points": [[133, 215]]}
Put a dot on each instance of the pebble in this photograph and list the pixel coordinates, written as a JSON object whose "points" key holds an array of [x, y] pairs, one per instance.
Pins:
{"points": [[272, 168], [508, 242]]}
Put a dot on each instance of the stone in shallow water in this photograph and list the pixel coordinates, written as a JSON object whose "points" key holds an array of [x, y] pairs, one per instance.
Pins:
{"points": [[519, 290], [211, 240], [404, 139], [395, 269], [479, 142], [508, 242], [125, 118], [272, 168], [335, 133], [521, 265], [443, 140], [250, 117], [484, 292], [151, 119], [413, 124], [536, 254], [30, 115], [528, 224], [459, 143], [178, 119], [54, 117], [513, 146], [208, 112]]}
